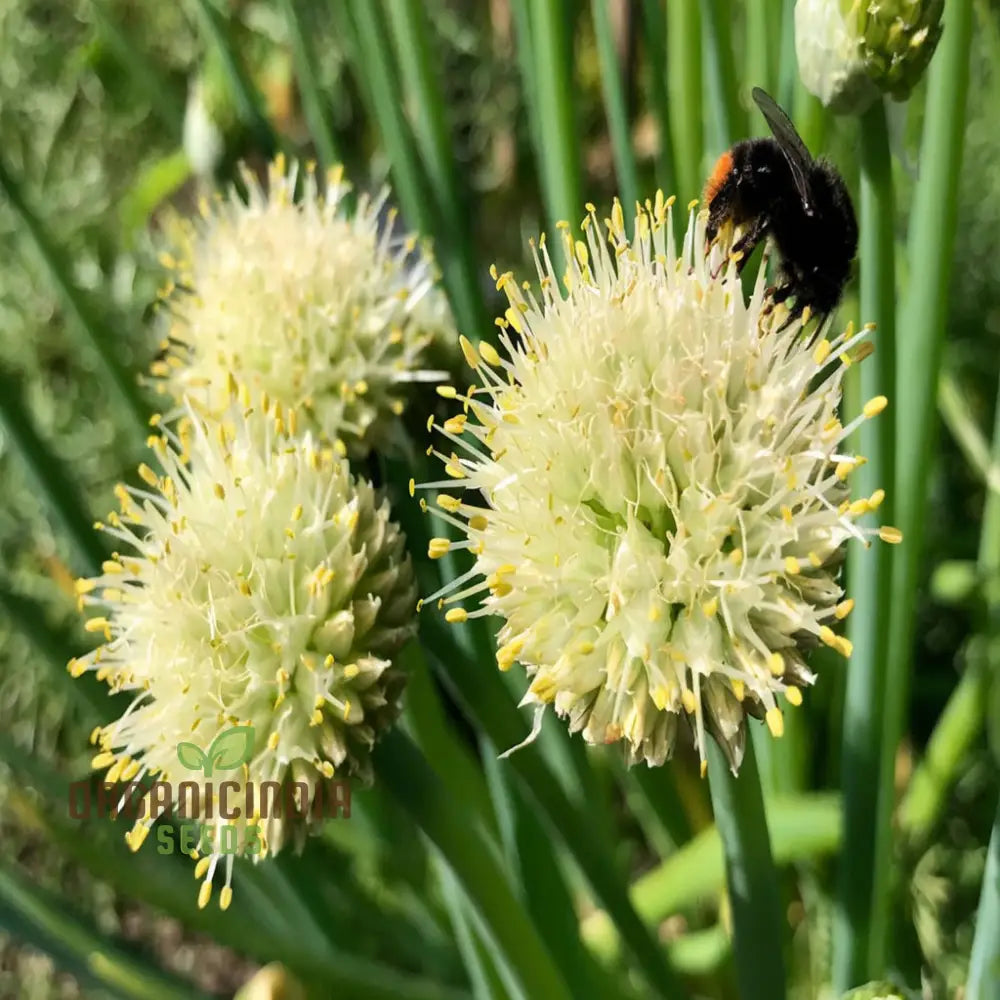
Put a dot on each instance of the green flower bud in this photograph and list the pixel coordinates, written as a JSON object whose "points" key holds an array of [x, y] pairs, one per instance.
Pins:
{"points": [[896, 39]]}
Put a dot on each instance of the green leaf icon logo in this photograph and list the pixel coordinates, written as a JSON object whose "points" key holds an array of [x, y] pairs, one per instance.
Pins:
{"points": [[229, 749], [191, 757]]}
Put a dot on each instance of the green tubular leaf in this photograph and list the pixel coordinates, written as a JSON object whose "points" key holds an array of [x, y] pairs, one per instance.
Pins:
{"points": [[402, 769], [654, 37], [984, 962], [531, 855], [241, 88], [869, 573], [727, 117], [425, 717], [314, 104], [923, 317], [475, 953], [421, 202], [49, 923], [487, 701], [684, 89], [614, 105], [160, 93], [56, 490], [804, 826], [83, 313], [551, 36], [55, 647], [752, 882]]}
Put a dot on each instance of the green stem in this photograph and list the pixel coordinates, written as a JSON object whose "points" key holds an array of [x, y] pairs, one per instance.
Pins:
{"points": [[925, 309], [314, 104], [614, 105], [962, 720], [869, 573], [376, 73], [655, 39], [727, 115], [954, 735], [984, 963], [241, 87], [415, 57], [404, 771], [551, 34], [805, 826], [684, 88], [760, 42], [750, 875]]}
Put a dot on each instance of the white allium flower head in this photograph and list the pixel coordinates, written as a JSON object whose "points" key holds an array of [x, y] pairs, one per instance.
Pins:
{"points": [[652, 479], [259, 584], [323, 308]]}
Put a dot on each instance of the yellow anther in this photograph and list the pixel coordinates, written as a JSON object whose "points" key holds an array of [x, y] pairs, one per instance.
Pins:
{"points": [[478, 522], [776, 664], [822, 351], [689, 701], [844, 469], [844, 646], [794, 696], [137, 836], [449, 503], [219, 490], [147, 475], [828, 636], [775, 722], [858, 507], [447, 391], [471, 357], [786, 514], [875, 406], [890, 534], [225, 898], [489, 354], [204, 895], [710, 608], [660, 696], [736, 557], [96, 625], [456, 615], [792, 566], [201, 867], [842, 610], [456, 424], [875, 500], [438, 547], [739, 688]]}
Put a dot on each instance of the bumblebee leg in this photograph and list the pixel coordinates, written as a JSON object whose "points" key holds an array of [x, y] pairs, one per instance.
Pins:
{"points": [[748, 241]]}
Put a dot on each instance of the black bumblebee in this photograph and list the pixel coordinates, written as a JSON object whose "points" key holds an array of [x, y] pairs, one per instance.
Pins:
{"points": [[775, 188]]}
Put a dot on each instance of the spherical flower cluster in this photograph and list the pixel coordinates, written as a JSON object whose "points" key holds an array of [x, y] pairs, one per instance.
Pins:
{"points": [[851, 50], [265, 587], [652, 479], [324, 310]]}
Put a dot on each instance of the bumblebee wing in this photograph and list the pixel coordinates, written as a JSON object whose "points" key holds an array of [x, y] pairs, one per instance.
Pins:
{"points": [[798, 156]]}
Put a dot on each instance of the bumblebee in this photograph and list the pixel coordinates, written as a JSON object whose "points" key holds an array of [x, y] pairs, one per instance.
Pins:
{"points": [[774, 188]]}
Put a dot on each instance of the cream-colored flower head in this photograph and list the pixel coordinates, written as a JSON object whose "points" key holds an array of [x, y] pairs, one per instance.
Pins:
{"points": [[322, 308], [259, 585], [652, 479]]}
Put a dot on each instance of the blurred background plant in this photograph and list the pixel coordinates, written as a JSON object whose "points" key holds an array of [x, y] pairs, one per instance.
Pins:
{"points": [[492, 121]]}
